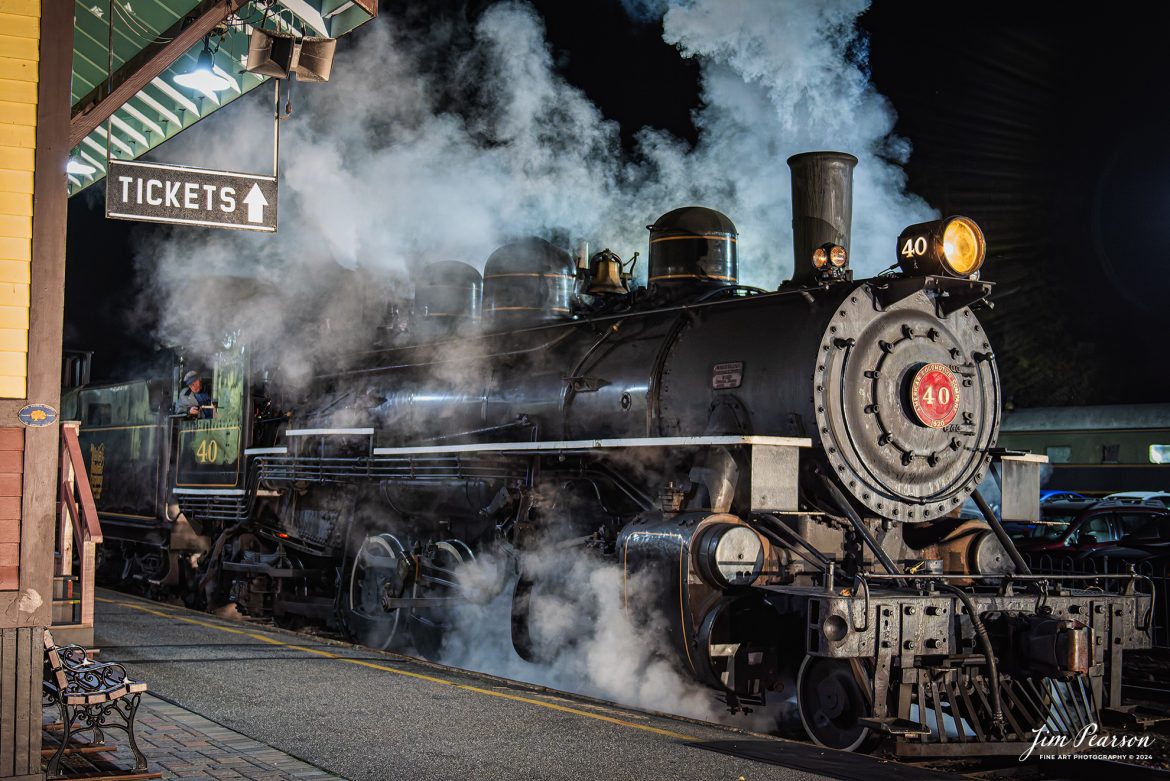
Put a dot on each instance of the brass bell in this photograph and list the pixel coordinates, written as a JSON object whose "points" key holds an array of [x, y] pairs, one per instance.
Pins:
{"points": [[605, 275]]}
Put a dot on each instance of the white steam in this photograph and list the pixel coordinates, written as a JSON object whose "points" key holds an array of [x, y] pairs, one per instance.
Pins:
{"points": [[585, 639], [377, 175], [782, 77]]}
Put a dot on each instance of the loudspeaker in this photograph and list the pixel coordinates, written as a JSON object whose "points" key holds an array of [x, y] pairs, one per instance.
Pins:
{"points": [[316, 59], [271, 53]]}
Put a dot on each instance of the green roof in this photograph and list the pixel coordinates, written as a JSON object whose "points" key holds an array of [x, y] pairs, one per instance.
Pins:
{"points": [[163, 108]]}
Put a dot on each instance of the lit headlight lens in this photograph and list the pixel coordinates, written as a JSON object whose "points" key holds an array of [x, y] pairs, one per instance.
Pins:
{"points": [[953, 247], [820, 257], [963, 246], [838, 256]]}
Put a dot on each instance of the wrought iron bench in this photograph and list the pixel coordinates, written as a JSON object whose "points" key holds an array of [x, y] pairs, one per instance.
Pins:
{"points": [[90, 696]]}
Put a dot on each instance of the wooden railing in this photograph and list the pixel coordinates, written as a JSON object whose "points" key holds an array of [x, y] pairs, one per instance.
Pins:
{"points": [[78, 533]]}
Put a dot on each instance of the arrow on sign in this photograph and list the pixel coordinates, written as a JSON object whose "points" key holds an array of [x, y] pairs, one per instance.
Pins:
{"points": [[256, 203]]}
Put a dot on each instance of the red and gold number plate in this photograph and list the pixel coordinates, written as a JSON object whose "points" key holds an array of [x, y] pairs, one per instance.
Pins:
{"points": [[934, 395]]}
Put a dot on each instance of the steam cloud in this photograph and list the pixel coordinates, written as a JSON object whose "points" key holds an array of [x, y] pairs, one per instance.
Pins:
{"points": [[584, 638], [379, 176]]}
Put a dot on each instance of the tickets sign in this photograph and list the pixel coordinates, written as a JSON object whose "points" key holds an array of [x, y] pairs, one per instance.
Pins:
{"points": [[190, 196]]}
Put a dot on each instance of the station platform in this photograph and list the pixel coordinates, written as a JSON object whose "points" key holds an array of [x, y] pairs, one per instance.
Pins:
{"points": [[234, 700], [182, 744]]}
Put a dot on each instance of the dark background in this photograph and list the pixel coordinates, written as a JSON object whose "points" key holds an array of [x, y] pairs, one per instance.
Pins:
{"points": [[1051, 131]]}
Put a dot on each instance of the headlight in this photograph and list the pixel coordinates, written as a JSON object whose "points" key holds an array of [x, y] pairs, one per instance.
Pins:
{"points": [[820, 257], [953, 247], [729, 555]]}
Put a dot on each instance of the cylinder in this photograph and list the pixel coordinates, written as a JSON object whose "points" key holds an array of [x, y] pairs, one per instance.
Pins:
{"points": [[447, 295], [528, 282], [693, 249], [822, 207]]}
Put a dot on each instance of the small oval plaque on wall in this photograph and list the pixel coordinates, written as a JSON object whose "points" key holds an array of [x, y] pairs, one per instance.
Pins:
{"points": [[37, 415]]}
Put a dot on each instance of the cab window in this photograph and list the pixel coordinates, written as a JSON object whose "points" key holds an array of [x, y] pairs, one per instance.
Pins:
{"points": [[97, 414]]}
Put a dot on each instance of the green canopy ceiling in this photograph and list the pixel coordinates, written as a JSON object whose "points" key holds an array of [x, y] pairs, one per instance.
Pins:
{"points": [[162, 108]]}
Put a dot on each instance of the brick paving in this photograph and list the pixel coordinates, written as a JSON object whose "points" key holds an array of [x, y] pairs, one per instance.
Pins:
{"points": [[182, 744]]}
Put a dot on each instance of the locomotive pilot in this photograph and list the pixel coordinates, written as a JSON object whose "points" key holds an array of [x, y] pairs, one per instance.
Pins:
{"points": [[193, 400]]}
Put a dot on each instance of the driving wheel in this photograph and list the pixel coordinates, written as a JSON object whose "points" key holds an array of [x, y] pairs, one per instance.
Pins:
{"points": [[379, 573], [437, 579]]}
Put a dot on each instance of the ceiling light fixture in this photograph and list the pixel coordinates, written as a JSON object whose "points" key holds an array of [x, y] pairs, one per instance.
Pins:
{"points": [[204, 77], [79, 168]]}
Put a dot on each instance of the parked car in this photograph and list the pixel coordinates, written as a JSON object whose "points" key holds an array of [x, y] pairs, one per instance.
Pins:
{"points": [[1059, 496], [1055, 517], [1080, 528], [1140, 497], [1147, 536]]}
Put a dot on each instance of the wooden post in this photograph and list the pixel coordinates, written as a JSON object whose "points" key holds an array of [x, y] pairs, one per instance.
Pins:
{"points": [[26, 609]]}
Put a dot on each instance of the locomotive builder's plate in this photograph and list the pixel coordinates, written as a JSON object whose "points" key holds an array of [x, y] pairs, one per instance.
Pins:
{"points": [[934, 395], [727, 375]]}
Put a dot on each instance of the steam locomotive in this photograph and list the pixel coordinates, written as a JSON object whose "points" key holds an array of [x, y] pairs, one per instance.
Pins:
{"points": [[777, 473]]}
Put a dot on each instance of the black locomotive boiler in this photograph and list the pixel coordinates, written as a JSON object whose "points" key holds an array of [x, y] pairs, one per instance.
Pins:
{"points": [[780, 472]]}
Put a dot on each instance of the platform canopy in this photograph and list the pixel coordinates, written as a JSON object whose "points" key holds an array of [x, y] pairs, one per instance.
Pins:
{"points": [[132, 89]]}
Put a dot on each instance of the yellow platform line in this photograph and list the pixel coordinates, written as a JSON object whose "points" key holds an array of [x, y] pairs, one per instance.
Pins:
{"points": [[384, 668]]}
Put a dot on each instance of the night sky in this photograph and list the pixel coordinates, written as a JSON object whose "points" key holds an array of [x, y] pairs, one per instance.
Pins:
{"points": [[1050, 132]]}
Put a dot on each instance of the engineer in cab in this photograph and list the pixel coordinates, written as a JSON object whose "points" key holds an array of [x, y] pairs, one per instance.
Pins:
{"points": [[194, 402]]}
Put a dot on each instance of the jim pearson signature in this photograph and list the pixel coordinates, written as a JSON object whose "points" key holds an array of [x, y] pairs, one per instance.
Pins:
{"points": [[1086, 737]]}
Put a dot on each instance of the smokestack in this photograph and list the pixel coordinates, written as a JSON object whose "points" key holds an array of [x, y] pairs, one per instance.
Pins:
{"points": [[822, 207]]}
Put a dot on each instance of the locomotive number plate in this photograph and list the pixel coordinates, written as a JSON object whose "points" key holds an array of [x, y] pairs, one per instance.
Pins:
{"points": [[934, 395], [727, 375]]}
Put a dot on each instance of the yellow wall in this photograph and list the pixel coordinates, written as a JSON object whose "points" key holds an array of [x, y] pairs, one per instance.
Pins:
{"points": [[19, 46]]}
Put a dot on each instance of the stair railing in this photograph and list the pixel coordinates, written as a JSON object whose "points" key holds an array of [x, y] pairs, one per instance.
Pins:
{"points": [[78, 531]]}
